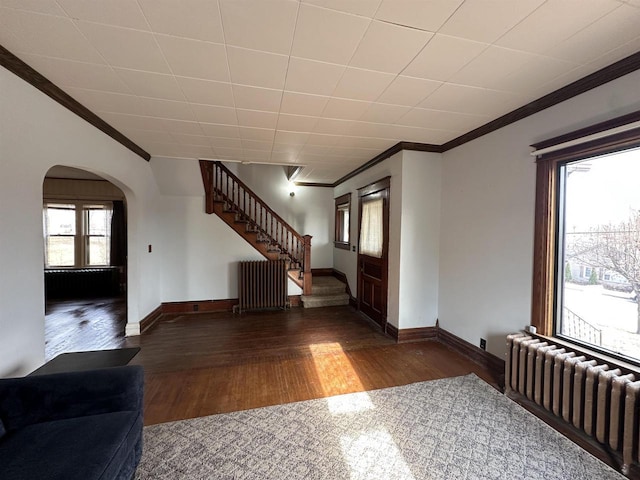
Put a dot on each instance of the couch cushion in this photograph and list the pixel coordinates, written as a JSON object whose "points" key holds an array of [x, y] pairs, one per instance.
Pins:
{"points": [[91, 447]]}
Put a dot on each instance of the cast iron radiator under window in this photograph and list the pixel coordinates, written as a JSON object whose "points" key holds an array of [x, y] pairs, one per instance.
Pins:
{"points": [[81, 283], [262, 284], [595, 398]]}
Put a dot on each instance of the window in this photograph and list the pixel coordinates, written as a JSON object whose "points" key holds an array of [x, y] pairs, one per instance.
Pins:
{"points": [[371, 228], [587, 244], [77, 234], [343, 221]]}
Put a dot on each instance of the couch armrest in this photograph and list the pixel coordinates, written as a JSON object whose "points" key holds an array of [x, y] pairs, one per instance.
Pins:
{"points": [[40, 398]]}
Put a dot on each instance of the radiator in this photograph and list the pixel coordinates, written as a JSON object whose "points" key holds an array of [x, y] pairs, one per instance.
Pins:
{"points": [[262, 284], [595, 398], [81, 283]]}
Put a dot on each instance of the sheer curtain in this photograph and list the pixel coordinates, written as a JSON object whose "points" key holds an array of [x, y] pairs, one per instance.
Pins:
{"points": [[371, 228]]}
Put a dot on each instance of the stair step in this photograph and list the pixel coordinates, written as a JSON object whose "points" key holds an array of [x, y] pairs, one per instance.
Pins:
{"points": [[326, 285], [316, 301]]}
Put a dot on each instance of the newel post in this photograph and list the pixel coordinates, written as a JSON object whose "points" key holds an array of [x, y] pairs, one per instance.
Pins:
{"points": [[206, 169], [307, 265]]}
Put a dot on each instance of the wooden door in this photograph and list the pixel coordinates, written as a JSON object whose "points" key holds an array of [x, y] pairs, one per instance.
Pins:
{"points": [[373, 250]]}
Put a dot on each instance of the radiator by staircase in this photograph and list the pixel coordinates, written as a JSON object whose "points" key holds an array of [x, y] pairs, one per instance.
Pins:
{"points": [[262, 285], [600, 400]]}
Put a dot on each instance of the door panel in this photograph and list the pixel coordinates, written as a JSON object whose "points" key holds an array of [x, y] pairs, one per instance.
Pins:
{"points": [[372, 270]]}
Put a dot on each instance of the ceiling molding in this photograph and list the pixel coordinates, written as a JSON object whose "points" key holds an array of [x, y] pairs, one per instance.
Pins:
{"points": [[12, 63], [421, 147], [605, 75], [314, 184]]}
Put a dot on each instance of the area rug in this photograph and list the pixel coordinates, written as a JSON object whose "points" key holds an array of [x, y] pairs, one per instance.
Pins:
{"points": [[454, 428]]}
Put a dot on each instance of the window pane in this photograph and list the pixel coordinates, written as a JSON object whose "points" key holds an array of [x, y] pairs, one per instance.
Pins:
{"points": [[98, 221], [98, 251], [98, 230], [371, 236], [600, 274], [60, 251], [345, 225], [60, 219]]}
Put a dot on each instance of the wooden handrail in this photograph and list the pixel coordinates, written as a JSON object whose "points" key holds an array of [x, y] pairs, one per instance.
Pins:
{"points": [[253, 194], [221, 184]]}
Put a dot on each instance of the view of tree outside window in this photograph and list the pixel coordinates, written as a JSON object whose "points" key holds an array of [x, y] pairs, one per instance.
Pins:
{"points": [[599, 252]]}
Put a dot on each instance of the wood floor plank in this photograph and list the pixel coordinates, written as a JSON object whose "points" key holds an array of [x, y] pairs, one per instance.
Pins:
{"points": [[202, 364]]}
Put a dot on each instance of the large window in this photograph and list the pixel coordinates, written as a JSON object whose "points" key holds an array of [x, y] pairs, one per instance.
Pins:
{"points": [[77, 234], [343, 221], [587, 251]]}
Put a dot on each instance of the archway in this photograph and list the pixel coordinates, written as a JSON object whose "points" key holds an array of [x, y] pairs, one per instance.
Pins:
{"points": [[85, 262]]}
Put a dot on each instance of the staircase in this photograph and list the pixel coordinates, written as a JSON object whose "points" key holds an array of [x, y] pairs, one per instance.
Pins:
{"points": [[240, 208], [326, 292]]}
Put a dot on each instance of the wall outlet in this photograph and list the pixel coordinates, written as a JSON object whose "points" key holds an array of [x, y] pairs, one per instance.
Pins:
{"points": [[483, 344]]}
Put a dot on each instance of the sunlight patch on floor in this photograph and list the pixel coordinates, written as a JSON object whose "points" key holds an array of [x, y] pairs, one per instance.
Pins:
{"points": [[374, 454], [371, 453]]}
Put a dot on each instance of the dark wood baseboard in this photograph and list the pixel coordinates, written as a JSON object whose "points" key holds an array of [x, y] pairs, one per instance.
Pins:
{"points": [[343, 278], [150, 320], [198, 306], [415, 334], [226, 305], [392, 331], [492, 363], [411, 334], [322, 272], [295, 301]]}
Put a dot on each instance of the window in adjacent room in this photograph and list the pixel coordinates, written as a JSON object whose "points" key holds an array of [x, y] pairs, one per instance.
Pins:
{"points": [[77, 234], [587, 264], [343, 224]]}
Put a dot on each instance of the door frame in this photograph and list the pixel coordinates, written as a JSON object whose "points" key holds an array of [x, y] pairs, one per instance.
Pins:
{"points": [[381, 187]]}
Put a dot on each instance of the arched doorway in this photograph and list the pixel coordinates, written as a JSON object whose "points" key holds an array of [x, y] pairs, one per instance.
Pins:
{"points": [[85, 262]]}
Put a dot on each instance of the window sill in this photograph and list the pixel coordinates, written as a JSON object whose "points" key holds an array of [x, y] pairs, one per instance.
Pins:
{"points": [[342, 245], [600, 357]]}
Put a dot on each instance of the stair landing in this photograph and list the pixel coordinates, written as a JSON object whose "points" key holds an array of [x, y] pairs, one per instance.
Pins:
{"points": [[326, 291]]}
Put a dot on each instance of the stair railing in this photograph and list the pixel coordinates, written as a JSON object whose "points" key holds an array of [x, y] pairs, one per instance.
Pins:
{"points": [[577, 327], [222, 185]]}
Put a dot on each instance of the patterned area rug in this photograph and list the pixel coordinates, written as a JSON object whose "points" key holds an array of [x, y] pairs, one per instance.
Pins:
{"points": [[454, 428]]}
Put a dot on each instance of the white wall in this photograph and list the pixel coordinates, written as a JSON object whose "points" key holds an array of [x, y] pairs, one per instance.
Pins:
{"points": [[414, 236], [309, 211], [420, 239], [488, 193], [199, 251], [36, 133]]}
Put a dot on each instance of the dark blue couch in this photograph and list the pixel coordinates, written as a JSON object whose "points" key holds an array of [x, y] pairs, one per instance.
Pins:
{"points": [[78, 425]]}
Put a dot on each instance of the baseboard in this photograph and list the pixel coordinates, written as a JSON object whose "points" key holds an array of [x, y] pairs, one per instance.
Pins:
{"points": [[343, 278], [415, 334], [322, 272], [150, 320], [200, 306], [489, 361], [132, 330], [209, 306], [295, 301], [391, 330]]}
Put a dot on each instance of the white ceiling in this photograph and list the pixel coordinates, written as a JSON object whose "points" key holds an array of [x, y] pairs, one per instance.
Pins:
{"points": [[327, 84]]}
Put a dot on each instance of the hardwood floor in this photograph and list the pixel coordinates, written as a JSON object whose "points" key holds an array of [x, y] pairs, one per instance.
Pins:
{"points": [[85, 324], [201, 364]]}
